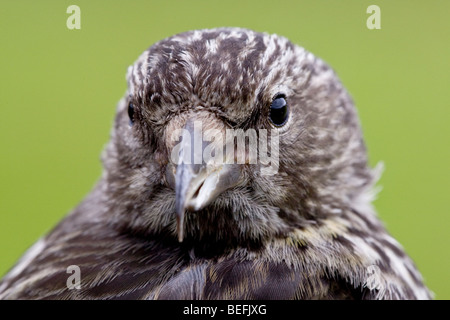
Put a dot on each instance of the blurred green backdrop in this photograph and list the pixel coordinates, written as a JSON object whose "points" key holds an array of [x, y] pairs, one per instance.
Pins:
{"points": [[59, 89]]}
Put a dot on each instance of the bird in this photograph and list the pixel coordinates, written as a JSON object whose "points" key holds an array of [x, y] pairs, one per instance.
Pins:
{"points": [[177, 215]]}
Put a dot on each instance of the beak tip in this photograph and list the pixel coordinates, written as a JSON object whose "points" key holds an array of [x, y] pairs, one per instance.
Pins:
{"points": [[180, 226]]}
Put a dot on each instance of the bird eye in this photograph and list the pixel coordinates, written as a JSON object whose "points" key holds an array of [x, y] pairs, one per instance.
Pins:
{"points": [[131, 113], [279, 110]]}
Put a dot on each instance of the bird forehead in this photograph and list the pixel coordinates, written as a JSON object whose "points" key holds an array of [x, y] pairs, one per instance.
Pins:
{"points": [[218, 66]]}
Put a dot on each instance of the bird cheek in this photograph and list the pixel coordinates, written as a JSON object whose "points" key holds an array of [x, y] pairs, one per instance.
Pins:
{"points": [[170, 175]]}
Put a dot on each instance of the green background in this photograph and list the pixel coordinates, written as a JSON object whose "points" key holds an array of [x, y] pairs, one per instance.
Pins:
{"points": [[59, 89]]}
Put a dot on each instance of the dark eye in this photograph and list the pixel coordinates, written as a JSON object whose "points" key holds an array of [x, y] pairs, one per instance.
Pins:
{"points": [[279, 110], [131, 113]]}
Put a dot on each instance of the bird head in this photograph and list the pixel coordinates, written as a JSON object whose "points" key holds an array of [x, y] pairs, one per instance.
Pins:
{"points": [[232, 135]]}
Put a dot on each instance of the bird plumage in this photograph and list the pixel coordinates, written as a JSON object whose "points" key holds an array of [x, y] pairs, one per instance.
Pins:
{"points": [[306, 232]]}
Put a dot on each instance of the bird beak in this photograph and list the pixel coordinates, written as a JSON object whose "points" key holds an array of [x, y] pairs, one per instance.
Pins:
{"points": [[199, 182]]}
